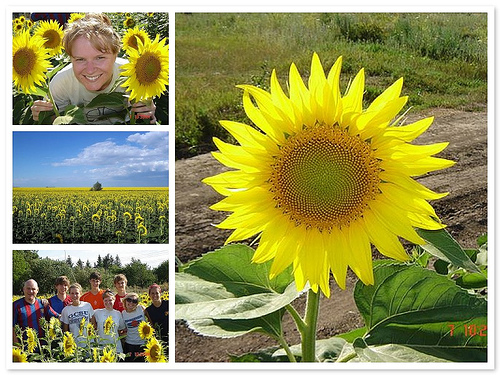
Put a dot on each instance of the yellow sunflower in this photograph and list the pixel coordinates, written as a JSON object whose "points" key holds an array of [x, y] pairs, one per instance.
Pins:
{"points": [[147, 70], [17, 27], [54, 326], [69, 344], [129, 22], [95, 354], [18, 355], [90, 330], [81, 328], [31, 338], [29, 60], [143, 231], [129, 40], [108, 325], [145, 330], [324, 179], [108, 355], [75, 16], [154, 351], [52, 32]]}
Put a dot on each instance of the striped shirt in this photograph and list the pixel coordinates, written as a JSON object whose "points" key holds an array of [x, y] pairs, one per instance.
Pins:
{"points": [[29, 314]]}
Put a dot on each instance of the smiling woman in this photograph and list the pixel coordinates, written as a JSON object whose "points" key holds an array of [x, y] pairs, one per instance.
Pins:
{"points": [[93, 46]]}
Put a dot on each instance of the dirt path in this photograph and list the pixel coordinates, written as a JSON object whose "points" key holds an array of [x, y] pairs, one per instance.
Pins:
{"points": [[464, 210]]}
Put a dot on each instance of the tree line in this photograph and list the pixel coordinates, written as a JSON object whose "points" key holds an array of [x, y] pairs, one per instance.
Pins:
{"points": [[27, 264]]}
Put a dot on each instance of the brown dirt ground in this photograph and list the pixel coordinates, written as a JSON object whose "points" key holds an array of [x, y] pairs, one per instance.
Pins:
{"points": [[464, 210]]}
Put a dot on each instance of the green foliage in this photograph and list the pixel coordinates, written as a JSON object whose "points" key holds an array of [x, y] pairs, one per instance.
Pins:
{"points": [[223, 294], [411, 313], [442, 57], [139, 274], [96, 187], [161, 273], [28, 265]]}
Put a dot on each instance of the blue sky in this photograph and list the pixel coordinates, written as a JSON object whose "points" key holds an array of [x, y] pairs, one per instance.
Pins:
{"points": [[79, 159]]}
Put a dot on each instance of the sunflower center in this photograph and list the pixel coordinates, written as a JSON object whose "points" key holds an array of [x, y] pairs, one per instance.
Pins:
{"points": [[154, 351], [133, 41], [53, 39], [148, 68], [324, 177], [24, 61]]}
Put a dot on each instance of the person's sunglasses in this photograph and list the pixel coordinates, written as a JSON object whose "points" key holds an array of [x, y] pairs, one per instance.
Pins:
{"points": [[132, 300]]}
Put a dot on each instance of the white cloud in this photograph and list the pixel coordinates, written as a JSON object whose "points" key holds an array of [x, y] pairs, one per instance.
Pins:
{"points": [[144, 153]]}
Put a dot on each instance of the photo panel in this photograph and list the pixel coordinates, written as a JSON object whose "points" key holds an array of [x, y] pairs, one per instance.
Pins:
{"points": [[107, 68], [106, 305]]}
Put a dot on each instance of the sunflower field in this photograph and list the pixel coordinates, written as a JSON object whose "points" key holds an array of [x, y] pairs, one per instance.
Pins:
{"points": [[77, 215], [38, 55], [59, 346]]}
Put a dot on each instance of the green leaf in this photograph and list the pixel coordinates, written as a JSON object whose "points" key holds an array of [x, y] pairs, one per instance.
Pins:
{"points": [[112, 99], [232, 267], [227, 328], [352, 335], [443, 246], [327, 350], [421, 309], [224, 294], [384, 353], [472, 280], [191, 304]]}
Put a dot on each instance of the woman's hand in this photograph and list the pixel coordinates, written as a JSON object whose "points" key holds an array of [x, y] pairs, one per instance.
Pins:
{"points": [[145, 111], [39, 106]]}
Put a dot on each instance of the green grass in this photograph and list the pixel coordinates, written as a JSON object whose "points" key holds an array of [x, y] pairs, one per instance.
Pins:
{"points": [[442, 57]]}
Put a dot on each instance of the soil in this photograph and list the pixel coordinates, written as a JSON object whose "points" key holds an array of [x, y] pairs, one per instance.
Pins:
{"points": [[464, 210]]}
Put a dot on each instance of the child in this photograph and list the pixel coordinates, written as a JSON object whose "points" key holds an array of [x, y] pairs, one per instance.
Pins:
{"points": [[72, 315], [120, 282], [94, 296], [133, 316], [99, 321], [61, 299]]}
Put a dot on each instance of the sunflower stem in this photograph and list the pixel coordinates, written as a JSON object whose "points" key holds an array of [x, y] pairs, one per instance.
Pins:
{"points": [[287, 349], [301, 326], [309, 333], [56, 111]]}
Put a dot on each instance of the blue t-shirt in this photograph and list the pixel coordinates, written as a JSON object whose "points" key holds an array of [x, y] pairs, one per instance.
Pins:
{"points": [[59, 305]]}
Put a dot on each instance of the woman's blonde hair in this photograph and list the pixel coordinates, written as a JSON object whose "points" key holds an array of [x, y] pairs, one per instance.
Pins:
{"points": [[97, 29]]}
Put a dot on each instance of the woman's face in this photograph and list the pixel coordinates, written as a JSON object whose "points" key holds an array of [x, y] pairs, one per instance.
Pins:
{"points": [[92, 68], [74, 294], [130, 306]]}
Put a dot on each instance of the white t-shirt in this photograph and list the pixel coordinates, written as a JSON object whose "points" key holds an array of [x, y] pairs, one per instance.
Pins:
{"points": [[67, 90], [132, 321], [73, 315], [100, 316]]}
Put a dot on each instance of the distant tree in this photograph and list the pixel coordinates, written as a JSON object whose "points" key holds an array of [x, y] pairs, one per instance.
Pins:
{"points": [[107, 261], [87, 264], [96, 187], [117, 261], [21, 269], [98, 264], [69, 262], [79, 264], [138, 274], [46, 270], [161, 272]]}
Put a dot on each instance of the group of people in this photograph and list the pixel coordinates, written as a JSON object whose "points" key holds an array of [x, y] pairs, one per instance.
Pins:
{"points": [[71, 305]]}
